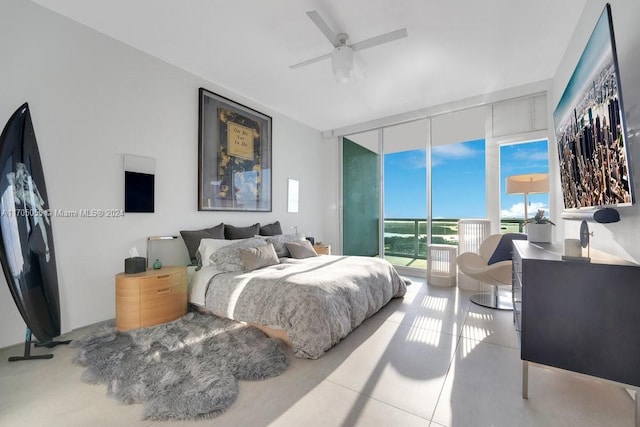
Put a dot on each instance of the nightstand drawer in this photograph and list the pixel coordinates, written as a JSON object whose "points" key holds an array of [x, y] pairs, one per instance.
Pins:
{"points": [[322, 249], [160, 281], [162, 304], [151, 297]]}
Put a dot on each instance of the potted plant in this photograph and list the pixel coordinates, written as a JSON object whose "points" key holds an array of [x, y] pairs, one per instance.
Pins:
{"points": [[539, 228]]}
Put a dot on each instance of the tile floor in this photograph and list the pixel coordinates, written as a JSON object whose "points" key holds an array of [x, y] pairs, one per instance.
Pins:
{"points": [[429, 359]]}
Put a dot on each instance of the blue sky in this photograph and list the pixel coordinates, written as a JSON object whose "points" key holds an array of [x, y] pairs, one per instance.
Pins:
{"points": [[597, 52], [458, 175]]}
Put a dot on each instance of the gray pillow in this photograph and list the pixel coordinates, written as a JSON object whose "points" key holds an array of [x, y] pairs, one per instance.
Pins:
{"points": [[301, 250], [271, 229], [192, 237], [235, 233], [279, 242], [229, 257], [262, 256]]}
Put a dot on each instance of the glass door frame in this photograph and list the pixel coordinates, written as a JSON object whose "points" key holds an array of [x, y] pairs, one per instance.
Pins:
{"points": [[493, 184]]}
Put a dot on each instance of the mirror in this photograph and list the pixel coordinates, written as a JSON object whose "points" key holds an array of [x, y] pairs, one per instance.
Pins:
{"points": [[292, 203]]}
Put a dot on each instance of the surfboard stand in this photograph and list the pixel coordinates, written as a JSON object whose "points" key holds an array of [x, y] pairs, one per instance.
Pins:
{"points": [[27, 349], [51, 344]]}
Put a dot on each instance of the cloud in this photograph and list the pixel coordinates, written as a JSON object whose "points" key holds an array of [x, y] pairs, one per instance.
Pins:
{"points": [[441, 153], [536, 156], [414, 159], [517, 210], [417, 160], [456, 151], [531, 156]]}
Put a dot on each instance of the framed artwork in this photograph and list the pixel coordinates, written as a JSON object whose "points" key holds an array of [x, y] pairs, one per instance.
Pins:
{"points": [[234, 156], [590, 128]]}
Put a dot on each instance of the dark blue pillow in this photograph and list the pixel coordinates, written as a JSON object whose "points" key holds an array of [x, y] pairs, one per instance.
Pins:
{"points": [[504, 250]]}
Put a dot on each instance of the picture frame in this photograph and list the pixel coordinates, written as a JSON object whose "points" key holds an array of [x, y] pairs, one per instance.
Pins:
{"points": [[593, 151], [234, 156]]}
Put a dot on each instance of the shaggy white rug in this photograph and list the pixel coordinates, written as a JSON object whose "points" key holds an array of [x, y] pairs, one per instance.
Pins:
{"points": [[186, 369]]}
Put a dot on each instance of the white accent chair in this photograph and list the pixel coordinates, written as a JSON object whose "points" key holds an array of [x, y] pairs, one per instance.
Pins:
{"points": [[496, 275]]}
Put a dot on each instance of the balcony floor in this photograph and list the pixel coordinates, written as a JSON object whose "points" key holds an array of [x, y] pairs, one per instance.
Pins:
{"points": [[407, 261]]}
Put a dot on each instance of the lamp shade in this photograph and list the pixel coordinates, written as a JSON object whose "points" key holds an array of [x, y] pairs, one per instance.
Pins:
{"points": [[342, 63], [528, 183]]}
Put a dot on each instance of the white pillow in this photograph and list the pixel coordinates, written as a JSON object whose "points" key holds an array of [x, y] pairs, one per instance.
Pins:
{"points": [[207, 248]]}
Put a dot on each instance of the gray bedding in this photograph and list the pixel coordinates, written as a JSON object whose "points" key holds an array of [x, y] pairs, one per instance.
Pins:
{"points": [[317, 301]]}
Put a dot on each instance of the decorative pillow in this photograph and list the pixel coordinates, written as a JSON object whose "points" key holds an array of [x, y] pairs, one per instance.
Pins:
{"points": [[279, 242], [207, 248], [271, 229], [192, 237], [504, 250], [301, 250], [228, 258], [236, 233], [262, 256]]}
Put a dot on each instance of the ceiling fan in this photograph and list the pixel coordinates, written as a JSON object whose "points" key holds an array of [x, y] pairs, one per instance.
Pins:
{"points": [[342, 55]]}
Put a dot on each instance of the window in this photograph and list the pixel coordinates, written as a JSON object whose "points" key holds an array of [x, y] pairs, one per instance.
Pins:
{"points": [[458, 186], [518, 159]]}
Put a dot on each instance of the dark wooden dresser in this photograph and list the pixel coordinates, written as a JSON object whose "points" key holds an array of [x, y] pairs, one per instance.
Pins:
{"points": [[579, 316]]}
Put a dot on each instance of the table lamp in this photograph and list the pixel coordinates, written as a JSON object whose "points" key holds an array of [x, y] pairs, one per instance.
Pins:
{"points": [[528, 184]]}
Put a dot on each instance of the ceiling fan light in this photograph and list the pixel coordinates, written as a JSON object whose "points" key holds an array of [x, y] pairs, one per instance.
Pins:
{"points": [[342, 63]]}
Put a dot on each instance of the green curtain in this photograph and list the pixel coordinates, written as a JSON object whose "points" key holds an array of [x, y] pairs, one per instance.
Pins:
{"points": [[361, 195]]}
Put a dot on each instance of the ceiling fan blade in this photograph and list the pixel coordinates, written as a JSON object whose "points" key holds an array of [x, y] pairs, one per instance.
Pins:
{"points": [[310, 61], [324, 28], [383, 38]]}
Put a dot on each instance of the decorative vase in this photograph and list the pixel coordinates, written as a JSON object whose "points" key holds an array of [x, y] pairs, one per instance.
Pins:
{"points": [[157, 265], [539, 233]]}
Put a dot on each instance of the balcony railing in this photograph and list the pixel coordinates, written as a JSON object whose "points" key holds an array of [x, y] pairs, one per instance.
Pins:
{"points": [[408, 237]]}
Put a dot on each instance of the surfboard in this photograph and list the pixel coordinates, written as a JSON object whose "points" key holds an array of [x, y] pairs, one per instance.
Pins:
{"points": [[26, 248]]}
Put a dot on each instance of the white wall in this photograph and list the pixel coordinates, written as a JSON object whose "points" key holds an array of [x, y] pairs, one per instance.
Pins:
{"points": [[621, 238], [94, 99]]}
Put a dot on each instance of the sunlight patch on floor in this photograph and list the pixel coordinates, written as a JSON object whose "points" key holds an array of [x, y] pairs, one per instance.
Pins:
{"points": [[475, 335], [425, 330], [435, 303]]}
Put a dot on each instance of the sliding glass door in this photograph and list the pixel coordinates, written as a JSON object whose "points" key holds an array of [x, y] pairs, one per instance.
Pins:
{"points": [[458, 188], [405, 194], [391, 191]]}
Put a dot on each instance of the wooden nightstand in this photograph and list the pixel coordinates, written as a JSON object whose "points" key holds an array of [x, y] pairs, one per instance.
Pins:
{"points": [[151, 297], [322, 249]]}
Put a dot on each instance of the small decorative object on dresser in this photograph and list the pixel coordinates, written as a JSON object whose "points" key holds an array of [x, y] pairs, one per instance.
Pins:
{"points": [[151, 297], [539, 228], [322, 249]]}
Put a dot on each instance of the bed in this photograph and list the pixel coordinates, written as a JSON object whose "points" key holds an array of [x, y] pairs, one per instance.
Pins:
{"points": [[310, 302]]}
